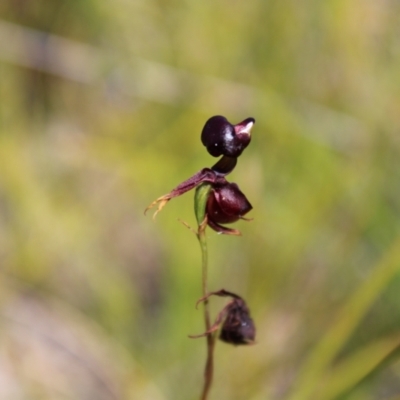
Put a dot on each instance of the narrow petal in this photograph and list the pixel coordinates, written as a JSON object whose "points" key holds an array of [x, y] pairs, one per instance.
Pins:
{"points": [[223, 229], [205, 175]]}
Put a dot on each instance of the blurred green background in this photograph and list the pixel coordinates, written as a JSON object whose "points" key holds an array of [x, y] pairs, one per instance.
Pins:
{"points": [[101, 109]]}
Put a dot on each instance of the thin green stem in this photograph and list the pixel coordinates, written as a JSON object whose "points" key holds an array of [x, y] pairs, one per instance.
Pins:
{"points": [[209, 368], [200, 206]]}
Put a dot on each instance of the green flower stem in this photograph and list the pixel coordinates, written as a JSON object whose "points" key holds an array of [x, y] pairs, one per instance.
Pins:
{"points": [[201, 197]]}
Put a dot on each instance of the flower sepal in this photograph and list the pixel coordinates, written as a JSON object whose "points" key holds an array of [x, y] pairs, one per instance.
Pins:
{"points": [[205, 175]]}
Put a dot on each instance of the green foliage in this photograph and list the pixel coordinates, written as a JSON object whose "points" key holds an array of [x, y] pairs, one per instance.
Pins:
{"points": [[97, 300], [200, 202]]}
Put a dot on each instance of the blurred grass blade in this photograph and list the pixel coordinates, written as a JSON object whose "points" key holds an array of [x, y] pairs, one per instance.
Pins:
{"points": [[355, 367], [348, 319]]}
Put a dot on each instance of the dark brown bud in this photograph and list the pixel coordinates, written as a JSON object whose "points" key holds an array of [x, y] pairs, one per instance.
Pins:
{"points": [[237, 326]]}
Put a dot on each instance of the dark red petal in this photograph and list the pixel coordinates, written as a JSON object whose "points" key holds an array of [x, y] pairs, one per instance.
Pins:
{"points": [[227, 204], [222, 229]]}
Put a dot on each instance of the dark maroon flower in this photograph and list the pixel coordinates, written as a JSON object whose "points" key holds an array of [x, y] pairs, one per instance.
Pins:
{"points": [[222, 138], [226, 203], [237, 325]]}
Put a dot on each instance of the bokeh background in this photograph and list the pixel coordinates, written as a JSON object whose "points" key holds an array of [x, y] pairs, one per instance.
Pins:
{"points": [[101, 109]]}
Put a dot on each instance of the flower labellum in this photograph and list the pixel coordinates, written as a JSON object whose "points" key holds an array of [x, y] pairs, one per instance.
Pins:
{"points": [[222, 138]]}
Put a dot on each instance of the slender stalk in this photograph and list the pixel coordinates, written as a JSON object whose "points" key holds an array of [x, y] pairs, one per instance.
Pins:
{"points": [[200, 205], [209, 368]]}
